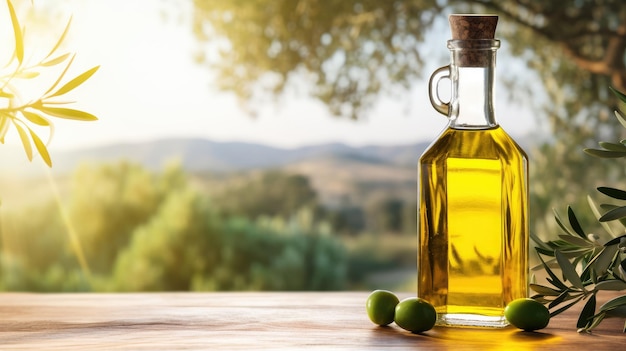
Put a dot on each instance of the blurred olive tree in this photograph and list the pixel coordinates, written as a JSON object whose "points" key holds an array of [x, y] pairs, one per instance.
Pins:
{"points": [[351, 51]]}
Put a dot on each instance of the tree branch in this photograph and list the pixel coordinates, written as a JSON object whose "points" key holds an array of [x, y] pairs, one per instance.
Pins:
{"points": [[611, 65], [497, 7]]}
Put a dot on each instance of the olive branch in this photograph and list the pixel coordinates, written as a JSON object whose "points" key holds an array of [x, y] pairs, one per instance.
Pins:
{"points": [[23, 116], [601, 261]]}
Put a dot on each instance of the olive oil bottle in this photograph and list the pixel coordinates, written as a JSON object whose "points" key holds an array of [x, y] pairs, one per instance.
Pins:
{"points": [[473, 192]]}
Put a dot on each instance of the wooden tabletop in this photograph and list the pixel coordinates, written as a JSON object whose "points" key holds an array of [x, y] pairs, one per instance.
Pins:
{"points": [[252, 321]]}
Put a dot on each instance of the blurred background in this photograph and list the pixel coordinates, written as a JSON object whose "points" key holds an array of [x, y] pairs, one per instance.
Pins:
{"points": [[273, 144]]}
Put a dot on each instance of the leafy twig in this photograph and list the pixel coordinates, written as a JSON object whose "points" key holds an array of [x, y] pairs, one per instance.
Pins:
{"points": [[39, 111], [602, 265]]}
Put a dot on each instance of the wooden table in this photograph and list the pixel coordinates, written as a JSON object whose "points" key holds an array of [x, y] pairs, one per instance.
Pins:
{"points": [[252, 321]]}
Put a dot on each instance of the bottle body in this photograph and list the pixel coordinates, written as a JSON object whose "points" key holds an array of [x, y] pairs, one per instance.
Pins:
{"points": [[473, 226]]}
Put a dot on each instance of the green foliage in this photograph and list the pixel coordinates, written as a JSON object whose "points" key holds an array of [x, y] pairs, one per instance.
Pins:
{"points": [[22, 114], [295, 255], [348, 49], [176, 244], [36, 253], [109, 202], [374, 258], [272, 193], [601, 260], [351, 51], [387, 215], [143, 231], [349, 220]]}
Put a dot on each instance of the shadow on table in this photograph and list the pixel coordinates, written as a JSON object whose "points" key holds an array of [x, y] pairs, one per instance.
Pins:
{"points": [[442, 338]]}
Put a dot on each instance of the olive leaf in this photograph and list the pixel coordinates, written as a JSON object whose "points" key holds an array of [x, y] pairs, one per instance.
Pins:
{"points": [[605, 153], [597, 214], [613, 303], [25, 140], [26, 75], [616, 240], [543, 251], [55, 61], [17, 31], [573, 221], [80, 79], [614, 285], [574, 240], [587, 313], [566, 307], [553, 279], [6, 94], [564, 296], [544, 290], [540, 245], [609, 207], [67, 67], [612, 146], [622, 120], [4, 126], [35, 118], [604, 259], [41, 148], [620, 271], [619, 94], [616, 213], [568, 270], [61, 39], [595, 321], [559, 221], [68, 113]]}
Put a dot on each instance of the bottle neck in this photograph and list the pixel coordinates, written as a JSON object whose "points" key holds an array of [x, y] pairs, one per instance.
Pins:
{"points": [[473, 70]]}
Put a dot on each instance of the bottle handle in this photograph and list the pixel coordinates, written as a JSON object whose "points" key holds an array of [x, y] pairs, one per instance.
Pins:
{"points": [[433, 93]]}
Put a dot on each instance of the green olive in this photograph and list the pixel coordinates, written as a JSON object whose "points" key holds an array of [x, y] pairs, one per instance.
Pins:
{"points": [[527, 314], [381, 306], [415, 315]]}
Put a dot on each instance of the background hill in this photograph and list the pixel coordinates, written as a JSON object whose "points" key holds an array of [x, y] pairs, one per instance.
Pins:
{"points": [[202, 155], [341, 174], [206, 155], [337, 171]]}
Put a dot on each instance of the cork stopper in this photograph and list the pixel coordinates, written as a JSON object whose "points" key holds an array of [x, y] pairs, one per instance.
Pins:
{"points": [[470, 27], [473, 30]]}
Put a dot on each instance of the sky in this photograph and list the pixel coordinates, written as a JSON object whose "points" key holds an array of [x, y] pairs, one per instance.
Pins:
{"points": [[148, 87]]}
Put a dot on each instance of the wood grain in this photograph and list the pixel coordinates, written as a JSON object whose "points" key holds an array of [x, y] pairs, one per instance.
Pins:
{"points": [[252, 321]]}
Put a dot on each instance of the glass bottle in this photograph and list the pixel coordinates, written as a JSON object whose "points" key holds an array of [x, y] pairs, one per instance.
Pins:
{"points": [[473, 192]]}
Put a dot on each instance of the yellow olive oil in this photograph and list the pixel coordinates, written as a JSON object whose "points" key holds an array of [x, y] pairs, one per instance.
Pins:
{"points": [[473, 226]]}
